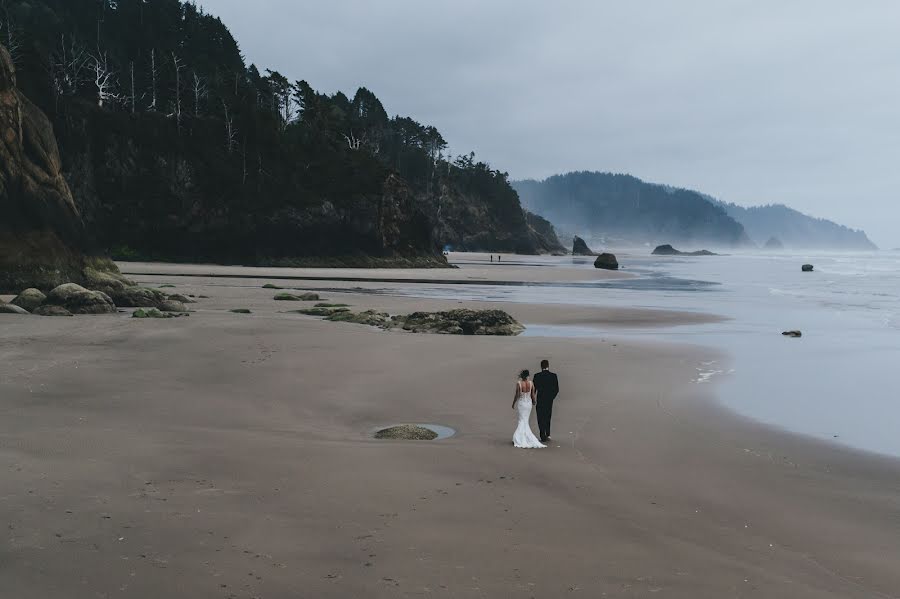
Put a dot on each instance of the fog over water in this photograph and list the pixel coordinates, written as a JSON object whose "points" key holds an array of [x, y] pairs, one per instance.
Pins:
{"points": [[837, 382], [752, 102]]}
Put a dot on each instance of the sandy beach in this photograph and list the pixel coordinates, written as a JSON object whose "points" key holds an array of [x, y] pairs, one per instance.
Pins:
{"points": [[231, 455]]}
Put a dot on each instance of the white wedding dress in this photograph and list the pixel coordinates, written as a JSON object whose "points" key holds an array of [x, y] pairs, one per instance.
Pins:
{"points": [[523, 437]]}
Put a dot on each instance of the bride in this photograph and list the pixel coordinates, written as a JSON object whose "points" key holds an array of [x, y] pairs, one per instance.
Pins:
{"points": [[523, 401]]}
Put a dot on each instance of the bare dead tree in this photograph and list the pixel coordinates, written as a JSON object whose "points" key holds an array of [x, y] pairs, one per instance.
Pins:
{"points": [[154, 76], [104, 79], [178, 63], [230, 132], [353, 142], [133, 90], [10, 34], [68, 66], [200, 91]]}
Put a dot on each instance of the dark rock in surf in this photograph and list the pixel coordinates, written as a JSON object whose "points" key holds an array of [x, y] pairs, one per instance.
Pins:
{"points": [[807, 268], [774, 244], [606, 261], [668, 250], [580, 247], [792, 334]]}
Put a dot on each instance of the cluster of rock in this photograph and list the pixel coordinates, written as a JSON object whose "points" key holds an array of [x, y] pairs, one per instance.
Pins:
{"points": [[451, 322], [69, 299], [462, 322], [668, 250], [303, 297]]}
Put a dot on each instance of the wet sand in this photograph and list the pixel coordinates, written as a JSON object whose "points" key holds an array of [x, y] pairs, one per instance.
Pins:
{"points": [[230, 455]]}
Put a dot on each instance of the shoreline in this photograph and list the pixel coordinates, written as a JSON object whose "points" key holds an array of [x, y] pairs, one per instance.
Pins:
{"points": [[227, 455]]}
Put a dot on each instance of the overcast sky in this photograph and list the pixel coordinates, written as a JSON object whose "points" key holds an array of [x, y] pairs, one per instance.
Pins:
{"points": [[751, 101]]}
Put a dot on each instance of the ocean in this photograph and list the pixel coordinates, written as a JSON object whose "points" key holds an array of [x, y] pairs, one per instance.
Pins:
{"points": [[837, 382]]}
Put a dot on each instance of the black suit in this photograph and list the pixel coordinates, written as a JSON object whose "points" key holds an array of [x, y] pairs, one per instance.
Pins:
{"points": [[547, 385]]}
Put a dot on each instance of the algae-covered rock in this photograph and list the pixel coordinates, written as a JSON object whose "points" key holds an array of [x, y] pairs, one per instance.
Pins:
{"points": [[286, 297], [369, 317], [321, 311], [407, 432], [78, 300], [271, 286], [463, 322], [155, 313], [29, 299], [241, 311], [177, 297], [172, 306]]}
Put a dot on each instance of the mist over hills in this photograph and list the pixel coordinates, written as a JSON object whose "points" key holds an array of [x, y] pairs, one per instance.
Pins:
{"points": [[624, 209]]}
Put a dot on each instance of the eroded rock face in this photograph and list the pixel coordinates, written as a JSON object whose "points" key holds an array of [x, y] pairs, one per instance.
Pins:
{"points": [[78, 300], [606, 261], [41, 230]]}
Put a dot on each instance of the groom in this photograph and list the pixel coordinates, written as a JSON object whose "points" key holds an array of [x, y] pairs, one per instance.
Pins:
{"points": [[547, 386]]}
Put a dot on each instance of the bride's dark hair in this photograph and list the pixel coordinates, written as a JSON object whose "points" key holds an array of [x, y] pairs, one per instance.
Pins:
{"points": [[524, 374]]}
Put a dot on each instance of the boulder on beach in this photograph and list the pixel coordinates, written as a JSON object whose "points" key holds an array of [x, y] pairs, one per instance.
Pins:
{"points": [[172, 306], [462, 322], [123, 291], [807, 268], [606, 261], [302, 297], [78, 300], [369, 317], [407, 432], [12, 309], [668, 250], [50, 310], [580, 247], [177, 297], [30, 299], [792, 333], [154, 313]]}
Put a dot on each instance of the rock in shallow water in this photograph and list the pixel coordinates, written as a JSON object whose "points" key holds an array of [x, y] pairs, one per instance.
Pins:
{"points": [[807, 268], [792, 334], [606, 261], [407, 432]]}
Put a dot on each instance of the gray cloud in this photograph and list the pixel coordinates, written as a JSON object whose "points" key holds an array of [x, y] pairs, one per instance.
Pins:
{"points": [[753, 102]]}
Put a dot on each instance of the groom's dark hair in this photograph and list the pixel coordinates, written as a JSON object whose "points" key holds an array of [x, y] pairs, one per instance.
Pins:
{"points": [[545, 364]]}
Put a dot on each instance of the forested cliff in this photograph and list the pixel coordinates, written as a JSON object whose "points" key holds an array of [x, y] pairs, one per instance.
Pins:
{"points": [[174, 148]]}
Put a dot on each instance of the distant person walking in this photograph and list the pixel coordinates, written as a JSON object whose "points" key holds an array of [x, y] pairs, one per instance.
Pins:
{"points": [[546, 384]]}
